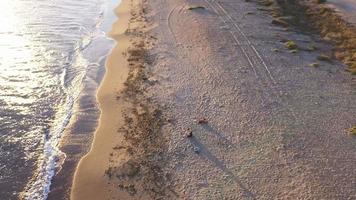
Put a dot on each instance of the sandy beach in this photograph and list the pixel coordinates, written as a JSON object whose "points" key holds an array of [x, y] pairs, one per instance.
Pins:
{"points": [[89, 180], [220, 100], [347, 8]]}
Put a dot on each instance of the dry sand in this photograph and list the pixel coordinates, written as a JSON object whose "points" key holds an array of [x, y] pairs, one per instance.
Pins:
{"points": [[276, 126], [271, 126], [347, 9]]}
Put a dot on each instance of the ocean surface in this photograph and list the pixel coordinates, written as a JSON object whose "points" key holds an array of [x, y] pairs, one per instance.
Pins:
{"points": [[50, 51]]}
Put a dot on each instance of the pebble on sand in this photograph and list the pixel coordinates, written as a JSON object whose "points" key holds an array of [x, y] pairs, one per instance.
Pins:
{"points": [[202, 121], [189, 133]]}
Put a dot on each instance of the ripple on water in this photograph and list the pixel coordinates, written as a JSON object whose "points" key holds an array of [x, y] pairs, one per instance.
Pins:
{"points": [[42, 68]]}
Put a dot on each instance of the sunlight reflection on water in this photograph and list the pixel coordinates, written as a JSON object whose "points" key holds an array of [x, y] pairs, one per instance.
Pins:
{"points": [[42, 68]]}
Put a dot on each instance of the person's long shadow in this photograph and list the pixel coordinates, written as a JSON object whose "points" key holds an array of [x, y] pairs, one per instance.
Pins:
{"points": [[207, 155], [210, 129]]}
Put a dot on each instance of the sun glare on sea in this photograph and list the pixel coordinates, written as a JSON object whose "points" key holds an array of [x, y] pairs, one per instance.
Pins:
{"points": [[16, 53]]}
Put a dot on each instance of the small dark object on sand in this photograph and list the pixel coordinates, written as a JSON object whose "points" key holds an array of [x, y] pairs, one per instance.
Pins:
{"points": [[279, 22], [202, 121], [196, 8], [324, 57], [320, 1], [189, 133]]}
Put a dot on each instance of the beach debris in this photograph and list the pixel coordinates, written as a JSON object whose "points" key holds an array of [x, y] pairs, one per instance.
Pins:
{"points": [[263, 9], [189, 133], [352, 131], [152, 80], [267, 2], [170, 120], [249, 13], [202, 121], [196, 149], [129, 169], [196, 8], [294, 51], [118, 147], [320, 1], [311, 48], [279, 22], [291, 45], [130, 188], [314, 64], [109, 172], [324, 57], [280, 147], [275, 50]]}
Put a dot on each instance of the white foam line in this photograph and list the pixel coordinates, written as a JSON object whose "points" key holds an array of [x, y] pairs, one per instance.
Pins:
{"points": [[52, 157]]}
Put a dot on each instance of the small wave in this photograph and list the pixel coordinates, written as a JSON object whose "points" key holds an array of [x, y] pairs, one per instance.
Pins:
{"points": [[75, 65], [52, 158]]}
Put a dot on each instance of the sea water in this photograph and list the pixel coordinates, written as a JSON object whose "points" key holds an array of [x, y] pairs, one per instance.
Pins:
{"points": [[49, 49]]}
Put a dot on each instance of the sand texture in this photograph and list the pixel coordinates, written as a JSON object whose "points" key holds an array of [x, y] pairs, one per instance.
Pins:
{"points": [[210, 100], [89, 180]]}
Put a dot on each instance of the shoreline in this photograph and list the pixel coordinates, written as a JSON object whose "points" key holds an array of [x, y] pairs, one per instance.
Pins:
{"points": [[78, 135], [131, 149], [81, 115], [89, 181]]}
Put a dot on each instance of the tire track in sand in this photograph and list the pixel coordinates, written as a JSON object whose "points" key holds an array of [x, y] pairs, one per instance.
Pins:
{"points": [[271, 81]]}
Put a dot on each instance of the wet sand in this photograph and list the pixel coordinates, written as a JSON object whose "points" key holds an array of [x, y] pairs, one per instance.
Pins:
{"points": [[89, 180]]}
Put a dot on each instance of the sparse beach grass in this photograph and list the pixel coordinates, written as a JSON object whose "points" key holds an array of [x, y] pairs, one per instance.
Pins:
{"points": [[323, 57], [291, 45], [352, 131], [313, 16], [314, 64]]}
